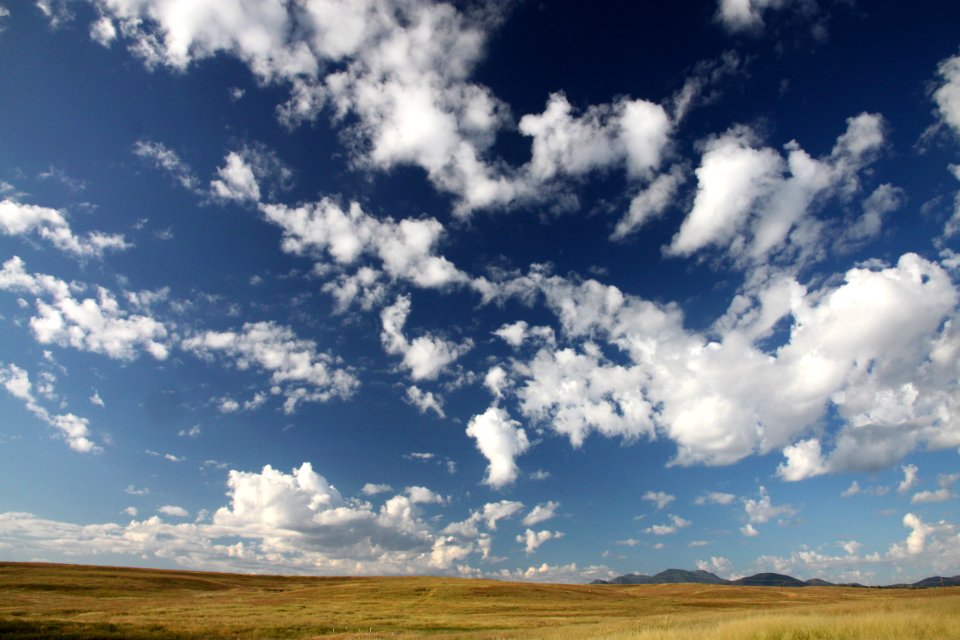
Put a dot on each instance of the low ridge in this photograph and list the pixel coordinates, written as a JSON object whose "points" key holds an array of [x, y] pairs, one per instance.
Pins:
{"points": [[679, 576]]}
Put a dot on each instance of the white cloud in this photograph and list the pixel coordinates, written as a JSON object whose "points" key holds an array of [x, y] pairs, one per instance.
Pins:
{"points": [[489, 515], [131, 511], [96, 325], [103, 31], [804, 460], [634, 133], [406, 250], [916, 541], [425, 401], [749, 531], [541, 513], [174, 511], [947, 95], [910, 478], [738, 16], [885, 199], [51, 225], [167, 160], [73, 429], [715, 497], [659, 498], [192, 432], [235, 180], [717, 564], [676, 523], [401, 72], [513, 334], [500, 439], [423, 495], [297, 369], [134, 491], [754, 202], [95, 399], [576, 393], [371, 489], [425, 356], [952, 226], [762, 510], [274, 522], [850, 546], [946, 481], [650, 203], [244, 171], [878, 347], [533, 539], [852, 490], [56, 11]]}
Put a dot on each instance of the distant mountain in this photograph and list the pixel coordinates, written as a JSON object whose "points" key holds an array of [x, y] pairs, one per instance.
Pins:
{"points": [[937, 581], [632, 578], [670, 576], [770, 580], [680, 576]]}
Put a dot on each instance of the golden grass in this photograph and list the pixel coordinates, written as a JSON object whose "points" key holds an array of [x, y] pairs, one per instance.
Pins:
{"points": [[75, 602]]}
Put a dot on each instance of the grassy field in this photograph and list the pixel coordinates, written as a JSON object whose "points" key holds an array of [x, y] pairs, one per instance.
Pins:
{"points": [[66, 601]]}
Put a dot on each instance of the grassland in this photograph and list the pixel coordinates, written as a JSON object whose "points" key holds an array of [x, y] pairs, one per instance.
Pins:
{"points": [[78, 602]]}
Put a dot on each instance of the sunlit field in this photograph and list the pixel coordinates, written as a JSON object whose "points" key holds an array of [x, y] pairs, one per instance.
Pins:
{"points": [[63, 601]]}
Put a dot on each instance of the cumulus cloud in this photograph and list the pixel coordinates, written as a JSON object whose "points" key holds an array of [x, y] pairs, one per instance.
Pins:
{"points": [[738, 16], [946, 482], [401, 73], [910, 478], [98, 325], [425, 401], [533, 539], [488, 515], [578, 392], [51, 225], [371, 489], [103, 31], [632, 133], [167, 160], [74, 429], [676, 523], [173, 511], [715, 497], [749, 531], [852, 490], [659, 498], [541, 513], [754, 202], [426, 356], [298, 369], [423, 495], [947, 95], [717, 564], [405, 250], [650, 203], [244, 171], [876, 346], [501, 440], [762, 509], [273, 522]]}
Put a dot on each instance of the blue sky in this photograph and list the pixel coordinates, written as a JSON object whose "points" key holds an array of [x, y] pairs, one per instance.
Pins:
{"points": [[524, 290]]}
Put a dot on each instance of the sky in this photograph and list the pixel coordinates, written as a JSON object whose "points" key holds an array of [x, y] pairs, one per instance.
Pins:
{"points": [[524, 290]]}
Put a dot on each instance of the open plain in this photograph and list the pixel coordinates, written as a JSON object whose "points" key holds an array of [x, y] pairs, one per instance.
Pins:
{"points": [[85, 602]]}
